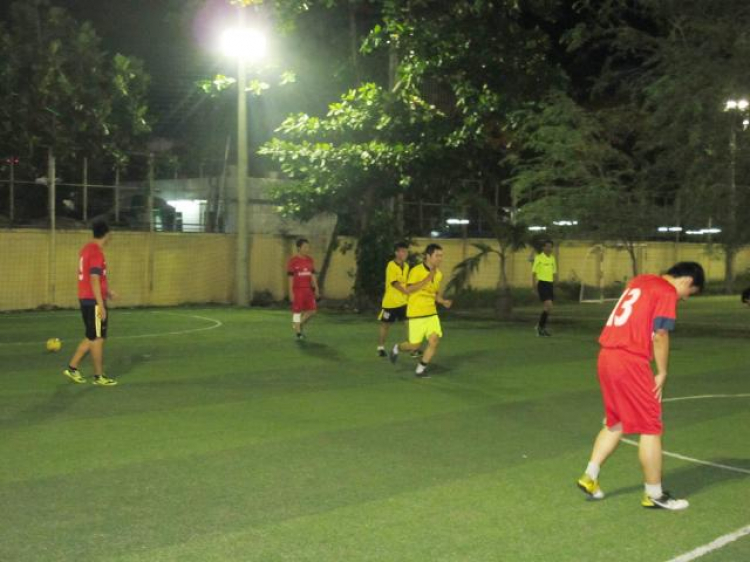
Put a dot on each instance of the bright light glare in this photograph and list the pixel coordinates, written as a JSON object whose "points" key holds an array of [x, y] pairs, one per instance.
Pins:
{"points": [[704, 231], [742, 104], [537, 228], [245, 43], [670, 229], [457, 221], [565, 223]]}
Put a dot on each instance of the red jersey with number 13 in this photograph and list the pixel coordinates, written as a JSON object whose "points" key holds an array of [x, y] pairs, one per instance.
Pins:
{"points": [[91, 260], [301, 268], [647, 305]]}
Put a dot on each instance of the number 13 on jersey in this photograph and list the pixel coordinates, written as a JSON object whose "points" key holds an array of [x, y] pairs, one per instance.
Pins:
{"points": [[624, 308]]}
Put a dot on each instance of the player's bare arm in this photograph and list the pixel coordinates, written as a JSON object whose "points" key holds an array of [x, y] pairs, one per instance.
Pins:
{"points": [[413, 288], [447, 303], [96, 286], [661, 357], [291, 289], [399, 287], [314, 283]]}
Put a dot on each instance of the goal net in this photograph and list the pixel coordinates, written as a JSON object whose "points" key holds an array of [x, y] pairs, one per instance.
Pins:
{"points": [[595, 287]]}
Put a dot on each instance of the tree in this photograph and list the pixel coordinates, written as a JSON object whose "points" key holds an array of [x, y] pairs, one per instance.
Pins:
{"points": [[677, 63], [572, 164], [59, 89], [510, 237], [353, 159]]}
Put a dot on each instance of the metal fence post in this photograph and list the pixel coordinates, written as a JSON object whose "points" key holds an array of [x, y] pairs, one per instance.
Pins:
{"points": [[52, 255], [150, 203], [117, 194], [12, 189], [85, 188]]}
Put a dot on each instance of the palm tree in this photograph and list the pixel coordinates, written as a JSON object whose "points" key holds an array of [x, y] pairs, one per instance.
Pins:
{"points": [[510, 236]]}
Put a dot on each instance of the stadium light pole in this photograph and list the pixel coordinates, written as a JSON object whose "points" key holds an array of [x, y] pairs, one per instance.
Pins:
{"points": [[733, 106], [246, 45]]}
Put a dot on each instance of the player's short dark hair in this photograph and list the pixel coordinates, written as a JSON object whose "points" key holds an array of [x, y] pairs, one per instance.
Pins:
{"points": [[547, 241], [689, 269], [430, 249], [301, 241], [400, 246], [746, 295], [100, 229]]}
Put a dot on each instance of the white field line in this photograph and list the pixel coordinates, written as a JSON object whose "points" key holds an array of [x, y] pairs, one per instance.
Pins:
{"points": [[214, 324], [713, 545], [723, 540]]}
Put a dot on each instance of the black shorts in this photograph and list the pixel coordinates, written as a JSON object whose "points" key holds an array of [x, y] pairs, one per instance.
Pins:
{"points": [[391, 315], [95, 327], [546, 291]]}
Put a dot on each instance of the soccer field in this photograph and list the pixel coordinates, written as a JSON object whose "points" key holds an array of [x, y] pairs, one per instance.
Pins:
{"points": [[227, 440]]}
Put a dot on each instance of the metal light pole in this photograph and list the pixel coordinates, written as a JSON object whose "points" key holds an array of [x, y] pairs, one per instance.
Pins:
{"points": [[241, 298], [246, 45]]}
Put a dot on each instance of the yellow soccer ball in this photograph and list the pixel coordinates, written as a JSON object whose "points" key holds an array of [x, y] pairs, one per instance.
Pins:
{"points": [[54, 345]]}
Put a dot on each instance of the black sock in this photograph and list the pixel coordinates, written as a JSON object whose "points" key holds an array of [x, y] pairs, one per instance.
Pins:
{"points": [[543, 320], [422, 363], [71, 368]]}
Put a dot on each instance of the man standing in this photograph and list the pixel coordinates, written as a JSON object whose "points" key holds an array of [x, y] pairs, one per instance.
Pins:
{"points": [[543, 276], [93, 292], [424, 295], [303, 287], [637, 332], [396, 296]]}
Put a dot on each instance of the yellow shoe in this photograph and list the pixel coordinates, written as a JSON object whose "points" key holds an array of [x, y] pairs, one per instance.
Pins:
{"points": [[75, 376], [104, 380], [590, 487]]}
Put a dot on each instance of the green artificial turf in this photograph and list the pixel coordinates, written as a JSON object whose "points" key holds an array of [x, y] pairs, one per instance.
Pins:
{"points": [[234, 442]]}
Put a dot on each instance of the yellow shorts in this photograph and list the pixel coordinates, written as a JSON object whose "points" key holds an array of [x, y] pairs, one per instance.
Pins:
{"points": [[422, 328]]}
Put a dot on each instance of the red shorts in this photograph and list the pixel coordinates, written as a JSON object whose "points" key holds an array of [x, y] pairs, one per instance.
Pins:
{"points": [[627, 384], [304, 299]]}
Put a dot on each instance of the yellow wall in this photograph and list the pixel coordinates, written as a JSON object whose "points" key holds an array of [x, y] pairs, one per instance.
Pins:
{"points": [[163, 269]]}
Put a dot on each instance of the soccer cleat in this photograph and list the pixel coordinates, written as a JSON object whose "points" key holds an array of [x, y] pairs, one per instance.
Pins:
{"points": [[545, 334], [665, 501], [75, 376], [590, 487], [300, 336], [382, 353], [104, 380], [416, 354], [424, 374], [393, 356]]}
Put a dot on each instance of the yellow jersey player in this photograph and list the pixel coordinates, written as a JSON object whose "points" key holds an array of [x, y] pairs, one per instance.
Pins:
{"points": [[425, 294], [395, 297], [543, 276]]}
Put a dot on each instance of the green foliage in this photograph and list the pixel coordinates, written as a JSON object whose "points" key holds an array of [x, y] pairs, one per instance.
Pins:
{"points": [[571, 165], [374, 250], [60, 89], [355, 157]]}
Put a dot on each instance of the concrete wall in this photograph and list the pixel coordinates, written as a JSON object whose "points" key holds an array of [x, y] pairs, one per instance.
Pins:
{"points": [[163, 269]]}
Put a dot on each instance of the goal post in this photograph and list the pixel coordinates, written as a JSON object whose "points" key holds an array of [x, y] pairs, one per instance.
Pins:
{"points": [[592, 276]]}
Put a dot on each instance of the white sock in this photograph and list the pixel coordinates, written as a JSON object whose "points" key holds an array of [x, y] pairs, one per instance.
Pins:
{"points": [[654, 490], [395, 349], [381, 347], [592, 470], [421, 368]]}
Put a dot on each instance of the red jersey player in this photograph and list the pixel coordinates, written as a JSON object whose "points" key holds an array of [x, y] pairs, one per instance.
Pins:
{"points": [[303, 287], [93, 292], [636, 333]]}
